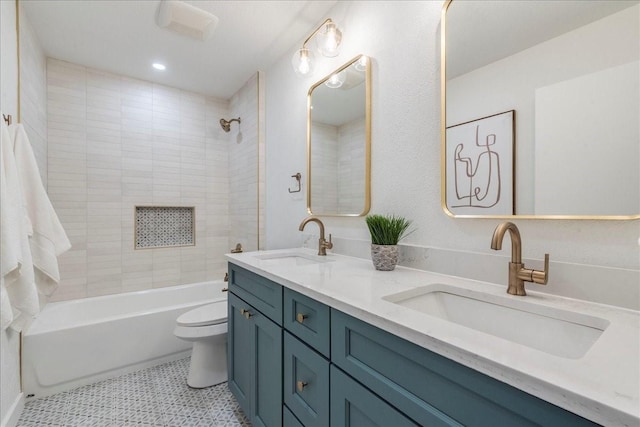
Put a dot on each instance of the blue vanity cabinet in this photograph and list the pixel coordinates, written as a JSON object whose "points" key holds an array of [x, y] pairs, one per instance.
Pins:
{"points": [[296, 362], [263, 294], [306, 383], [239, 352], [431, 389], [288, 419], [306, 358], [254, 346], [353, 405], [309, 320]]}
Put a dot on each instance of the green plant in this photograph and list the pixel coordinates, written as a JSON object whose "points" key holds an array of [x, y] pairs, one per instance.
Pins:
{"points": [[387, 229]]}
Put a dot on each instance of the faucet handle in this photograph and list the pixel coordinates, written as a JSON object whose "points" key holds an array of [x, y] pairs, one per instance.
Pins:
{"points": [[541, 277], [329, 244]]}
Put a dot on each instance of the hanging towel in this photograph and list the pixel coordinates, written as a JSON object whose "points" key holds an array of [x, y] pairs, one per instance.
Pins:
{"points": [[6, 312], [18, 293], [48, 239]]}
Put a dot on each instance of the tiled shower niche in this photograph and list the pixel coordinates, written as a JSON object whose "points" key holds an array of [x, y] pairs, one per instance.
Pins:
{"points": [[164, 226]]}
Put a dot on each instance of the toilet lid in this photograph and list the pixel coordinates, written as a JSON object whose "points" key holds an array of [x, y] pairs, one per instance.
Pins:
{"points": [[210, 314]]}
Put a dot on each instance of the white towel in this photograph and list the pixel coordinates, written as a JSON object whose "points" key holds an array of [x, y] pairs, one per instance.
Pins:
{"points": [[17, 285], [6, 312], [9, 243], [48, 239]]}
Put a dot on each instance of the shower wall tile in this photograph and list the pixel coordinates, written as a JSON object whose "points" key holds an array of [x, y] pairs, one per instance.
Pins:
{"points": [[116, 142]]}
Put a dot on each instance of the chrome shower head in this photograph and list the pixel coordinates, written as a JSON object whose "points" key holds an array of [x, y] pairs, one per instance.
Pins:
{"points": [[226, 124]]}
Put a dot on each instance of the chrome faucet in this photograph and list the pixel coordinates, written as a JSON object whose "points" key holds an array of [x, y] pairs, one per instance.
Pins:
{"points": [[517, 273], [323, 245]]}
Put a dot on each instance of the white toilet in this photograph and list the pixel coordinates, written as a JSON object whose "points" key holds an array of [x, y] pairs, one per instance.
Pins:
{"points": [[206, 327]]}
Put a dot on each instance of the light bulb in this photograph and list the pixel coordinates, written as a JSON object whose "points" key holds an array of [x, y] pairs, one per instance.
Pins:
{"points": [[328, 40], [336, 80], [361, 65], [303, 62]]}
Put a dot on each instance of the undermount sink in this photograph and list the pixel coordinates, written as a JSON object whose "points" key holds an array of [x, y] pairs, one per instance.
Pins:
{"points": [[291, 259], [555, 331]]}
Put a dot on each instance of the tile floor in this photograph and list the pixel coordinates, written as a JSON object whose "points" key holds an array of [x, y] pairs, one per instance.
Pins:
{"points": [[157, 396]]}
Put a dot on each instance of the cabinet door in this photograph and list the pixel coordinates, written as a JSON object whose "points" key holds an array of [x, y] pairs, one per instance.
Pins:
{"points": [[288, 419], [240, 351], [267, 406], [306, 383], [353, 405], [254, 362]]}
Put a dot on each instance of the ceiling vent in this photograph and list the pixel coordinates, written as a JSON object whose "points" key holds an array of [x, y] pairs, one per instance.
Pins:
{"points": [[186, 19]]}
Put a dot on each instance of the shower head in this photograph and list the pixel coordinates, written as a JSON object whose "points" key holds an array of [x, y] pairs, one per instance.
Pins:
{"points": [[226, 124]]}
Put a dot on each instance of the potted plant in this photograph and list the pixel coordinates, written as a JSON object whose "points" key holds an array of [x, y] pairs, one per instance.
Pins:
{"points": [[386, 231]]}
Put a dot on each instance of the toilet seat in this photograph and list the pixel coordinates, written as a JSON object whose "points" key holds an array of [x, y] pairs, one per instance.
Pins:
{"points": [[206, 315], [190, 333]]}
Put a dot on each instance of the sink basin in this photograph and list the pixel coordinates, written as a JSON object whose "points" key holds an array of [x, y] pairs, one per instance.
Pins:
{"points": [[555, 331], [291, 259]]}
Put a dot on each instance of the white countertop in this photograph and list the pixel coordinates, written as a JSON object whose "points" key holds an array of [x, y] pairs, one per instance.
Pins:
{"points": [[602, 386]]}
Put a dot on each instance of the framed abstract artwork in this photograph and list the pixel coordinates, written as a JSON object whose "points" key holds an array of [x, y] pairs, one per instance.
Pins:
{"points": [[480, 166]]}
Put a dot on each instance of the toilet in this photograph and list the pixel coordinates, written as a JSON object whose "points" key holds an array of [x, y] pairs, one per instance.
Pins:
{"points": [[206, 327]]}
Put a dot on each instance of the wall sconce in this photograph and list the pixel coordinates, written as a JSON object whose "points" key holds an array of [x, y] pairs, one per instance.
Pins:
{"points": [[328, 41]]}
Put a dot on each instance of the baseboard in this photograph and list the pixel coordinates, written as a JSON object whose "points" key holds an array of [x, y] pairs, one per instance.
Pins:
{"points": [[13, 415]]}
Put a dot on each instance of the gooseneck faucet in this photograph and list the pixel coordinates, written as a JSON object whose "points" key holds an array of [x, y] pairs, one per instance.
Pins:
{"points": [[323, 245], [517, 273]]}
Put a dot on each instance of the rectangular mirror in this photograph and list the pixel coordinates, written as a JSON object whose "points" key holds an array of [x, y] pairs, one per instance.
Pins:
{"points": [[541, 101], [339, 141]]}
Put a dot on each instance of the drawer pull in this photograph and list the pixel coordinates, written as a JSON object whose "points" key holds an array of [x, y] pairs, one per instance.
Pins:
{"points": [[300, 317], [300, 385], [246, 313], [224, 290]]}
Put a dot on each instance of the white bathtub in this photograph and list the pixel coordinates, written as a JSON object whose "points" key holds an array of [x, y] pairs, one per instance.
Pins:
{"points": [[74, 343]]}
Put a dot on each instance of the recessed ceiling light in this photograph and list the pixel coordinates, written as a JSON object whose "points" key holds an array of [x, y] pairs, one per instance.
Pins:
{"points": [[159, 66]]}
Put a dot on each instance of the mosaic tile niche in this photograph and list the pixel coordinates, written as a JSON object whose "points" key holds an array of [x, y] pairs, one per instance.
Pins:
{"points": [[163, 227]]}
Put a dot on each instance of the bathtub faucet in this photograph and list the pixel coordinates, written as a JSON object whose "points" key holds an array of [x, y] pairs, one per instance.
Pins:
{"points": [[323, 245]]}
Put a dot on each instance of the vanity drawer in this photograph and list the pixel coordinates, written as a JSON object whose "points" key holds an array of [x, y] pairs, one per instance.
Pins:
{"points": [[260, 292], [307, 319], [432, 389], [306, 383]]}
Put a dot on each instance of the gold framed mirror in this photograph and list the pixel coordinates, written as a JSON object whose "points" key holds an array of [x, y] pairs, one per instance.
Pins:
{"points": [[540, 106], [339, 141]]}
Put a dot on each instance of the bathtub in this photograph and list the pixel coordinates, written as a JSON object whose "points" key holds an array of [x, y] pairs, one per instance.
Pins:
{"points": [[79, 342]]}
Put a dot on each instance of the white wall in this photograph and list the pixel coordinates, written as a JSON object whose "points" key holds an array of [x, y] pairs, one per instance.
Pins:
{"points": [[9, 63], [406, 146]]}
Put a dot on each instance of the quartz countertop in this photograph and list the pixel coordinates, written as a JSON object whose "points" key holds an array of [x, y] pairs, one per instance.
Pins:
{"points": [[602, 386]]}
